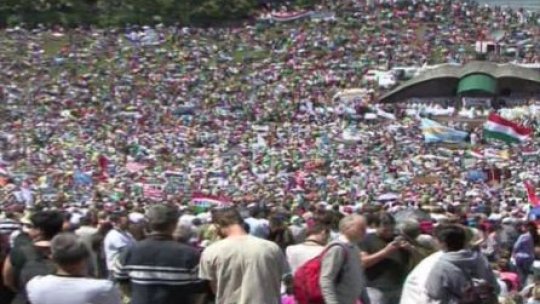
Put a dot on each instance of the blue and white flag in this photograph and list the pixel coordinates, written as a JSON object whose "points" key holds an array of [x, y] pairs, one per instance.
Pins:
{"points": [[434, 132]]}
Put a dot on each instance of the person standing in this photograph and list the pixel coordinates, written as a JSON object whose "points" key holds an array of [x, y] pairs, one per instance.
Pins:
{"points": [[26, 261], [159, 269], [70, 255], [118, 239], [242, 269], [386, 261], [342, 278], [523, 252], [317, 237], [454, 272]]}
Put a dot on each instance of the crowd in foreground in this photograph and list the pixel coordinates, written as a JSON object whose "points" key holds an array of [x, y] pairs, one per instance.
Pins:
{"points": [[118, 151], [319, 255]]}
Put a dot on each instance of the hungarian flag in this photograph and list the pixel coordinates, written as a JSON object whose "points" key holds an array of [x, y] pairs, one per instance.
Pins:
{"points": [[152, 192], [530, 151], [531, 194], [499, 128]]}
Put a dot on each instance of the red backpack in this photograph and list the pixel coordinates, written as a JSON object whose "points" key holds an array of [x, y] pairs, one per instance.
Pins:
{"points": [[307, 289]]}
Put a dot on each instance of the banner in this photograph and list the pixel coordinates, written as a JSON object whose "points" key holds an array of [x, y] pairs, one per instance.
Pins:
{"points": [[290, 16], [207, 201]]}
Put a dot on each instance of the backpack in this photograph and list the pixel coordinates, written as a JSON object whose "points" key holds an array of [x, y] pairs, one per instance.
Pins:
{"points": [[478, 291], [307, 289]]}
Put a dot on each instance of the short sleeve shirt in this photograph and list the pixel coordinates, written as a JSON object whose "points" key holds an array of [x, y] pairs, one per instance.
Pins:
{"points": [[246, 270], [114, 242], [389, 273]]}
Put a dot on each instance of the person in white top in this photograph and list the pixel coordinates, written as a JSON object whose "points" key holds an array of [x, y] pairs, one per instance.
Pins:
{"points": [[117, 239], [414, 290], [316, 239], [69, 285]]}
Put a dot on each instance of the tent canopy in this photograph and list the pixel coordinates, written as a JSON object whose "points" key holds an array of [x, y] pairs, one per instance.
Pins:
{"points": [[479, 83]]}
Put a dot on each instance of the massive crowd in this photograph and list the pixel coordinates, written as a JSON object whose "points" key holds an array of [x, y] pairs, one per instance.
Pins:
{"points": [[126, 153]]}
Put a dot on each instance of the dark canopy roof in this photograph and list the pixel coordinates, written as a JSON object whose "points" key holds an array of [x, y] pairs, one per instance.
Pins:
{"points": [[443, 80]]}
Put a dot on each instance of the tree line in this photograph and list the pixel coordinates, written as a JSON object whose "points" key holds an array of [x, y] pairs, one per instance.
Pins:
{"points": [[106, 13]]}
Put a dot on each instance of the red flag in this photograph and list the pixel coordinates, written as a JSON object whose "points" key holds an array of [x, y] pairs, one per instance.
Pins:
{"points": [[531, 194], [103, 163], [153, 192]]}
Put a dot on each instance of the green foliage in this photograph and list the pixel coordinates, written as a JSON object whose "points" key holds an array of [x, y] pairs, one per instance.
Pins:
{"points": [[121, 12]]}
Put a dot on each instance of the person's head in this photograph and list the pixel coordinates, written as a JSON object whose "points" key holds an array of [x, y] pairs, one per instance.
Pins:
{"points": [[386, 227], [254, 211], [162, 218], [277, 222], [69, 253], [410, 229], [318, 231], [120, 220], [353, 227], [45, 225], [85, 221], [451, 237], [227, 221], [183, 234]]}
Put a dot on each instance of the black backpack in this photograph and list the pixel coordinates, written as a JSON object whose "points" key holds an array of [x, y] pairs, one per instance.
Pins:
{"points": [[478, 291]]}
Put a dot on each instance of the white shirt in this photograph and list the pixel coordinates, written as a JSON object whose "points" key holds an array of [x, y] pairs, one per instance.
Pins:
{"points": [[52, 289], [414, 289], [298, 255], [114, 242], [86, 231]]}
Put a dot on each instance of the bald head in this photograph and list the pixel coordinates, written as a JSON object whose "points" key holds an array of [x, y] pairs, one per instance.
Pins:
{"points": [[353, 227]]}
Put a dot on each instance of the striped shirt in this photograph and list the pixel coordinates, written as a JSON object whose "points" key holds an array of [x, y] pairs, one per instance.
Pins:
{"points": [[8, 226], [160, 270]]}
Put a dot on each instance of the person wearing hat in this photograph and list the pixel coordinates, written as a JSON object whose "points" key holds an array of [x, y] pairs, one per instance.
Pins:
{"points": [[159, 269], [70, 255]]}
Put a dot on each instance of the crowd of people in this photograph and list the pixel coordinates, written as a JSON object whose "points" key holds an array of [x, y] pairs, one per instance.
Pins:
{"points": [[187, 165]]}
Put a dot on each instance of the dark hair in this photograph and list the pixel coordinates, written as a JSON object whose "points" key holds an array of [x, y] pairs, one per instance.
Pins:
{"points": [[49, 222], [117, 215], [227, 217], [162, 217], [386, 219], [533, 230], [85, 221], [316, 228], [68, 249], [324, 218], [372, 219], [452, 235]]}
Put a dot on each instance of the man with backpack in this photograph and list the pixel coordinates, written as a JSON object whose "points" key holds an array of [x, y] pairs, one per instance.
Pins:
{"points": [[460, 276], [342, 279], [28, 261]]}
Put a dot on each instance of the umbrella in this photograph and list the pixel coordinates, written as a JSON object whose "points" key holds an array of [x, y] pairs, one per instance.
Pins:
{"points": [[411, 214], [388, 197]]}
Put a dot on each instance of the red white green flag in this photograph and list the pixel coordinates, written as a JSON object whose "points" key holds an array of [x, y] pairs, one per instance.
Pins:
{"points": [[499, 128]]}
